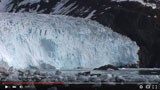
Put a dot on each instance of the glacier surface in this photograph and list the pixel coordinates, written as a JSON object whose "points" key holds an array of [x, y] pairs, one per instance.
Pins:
{"points": [[61, 41]]}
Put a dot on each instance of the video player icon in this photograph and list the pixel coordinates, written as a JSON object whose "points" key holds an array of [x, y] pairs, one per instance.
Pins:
{"points": [[140, 86], [6, 87], [20, 86], [14, 86]]}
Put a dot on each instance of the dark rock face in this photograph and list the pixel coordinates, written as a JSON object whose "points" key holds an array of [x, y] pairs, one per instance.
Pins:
{"points": [[142, 29], [129, 66], [106, 67], [46, 7], [140, 23], [84, 73], [139, 27]]}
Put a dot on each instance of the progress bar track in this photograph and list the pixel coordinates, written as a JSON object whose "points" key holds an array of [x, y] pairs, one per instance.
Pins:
{"points": [[62, 83]]}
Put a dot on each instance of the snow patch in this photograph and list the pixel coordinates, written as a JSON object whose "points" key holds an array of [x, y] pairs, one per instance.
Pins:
{"points": [[90, 15], [59, 7], [153, 5], [29, 1]]}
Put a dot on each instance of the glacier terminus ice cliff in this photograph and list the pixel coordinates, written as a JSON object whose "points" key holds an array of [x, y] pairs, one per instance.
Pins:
{"points": [[61, 41]]}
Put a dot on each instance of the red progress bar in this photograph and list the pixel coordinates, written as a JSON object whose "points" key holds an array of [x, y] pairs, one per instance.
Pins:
{"points": [[36, 83]]}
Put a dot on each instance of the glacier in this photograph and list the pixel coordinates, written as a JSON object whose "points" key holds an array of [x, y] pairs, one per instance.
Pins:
{"points": [[61, 41]]}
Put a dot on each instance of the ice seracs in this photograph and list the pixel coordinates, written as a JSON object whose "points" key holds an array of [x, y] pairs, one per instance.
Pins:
{"points": [[31, 40]]}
